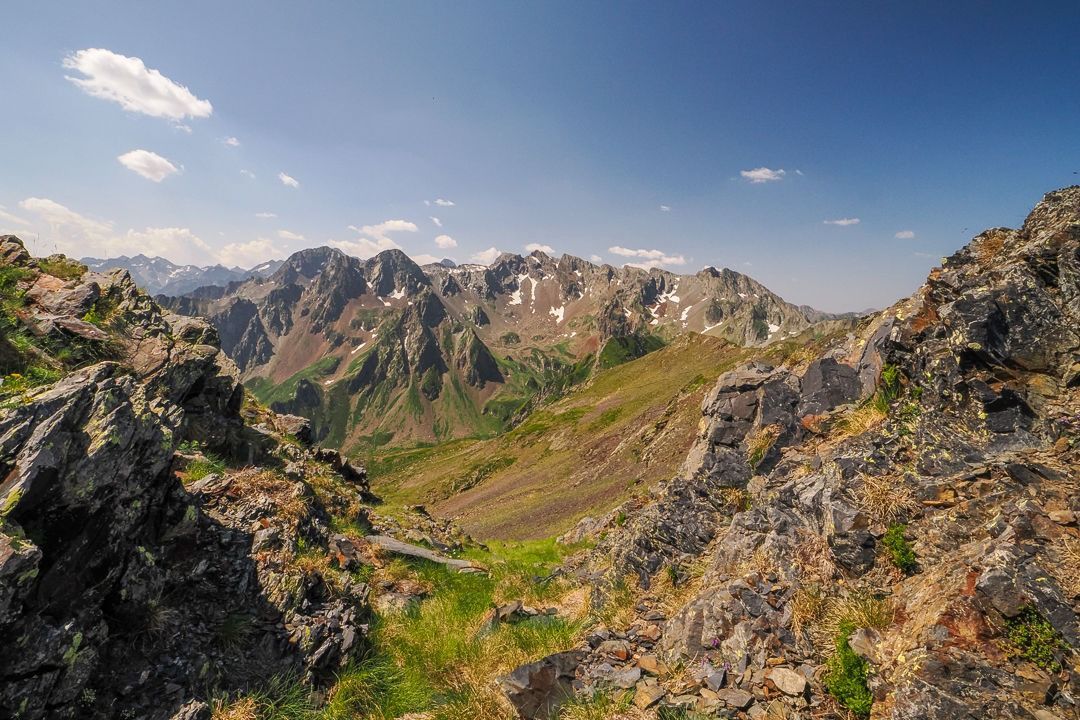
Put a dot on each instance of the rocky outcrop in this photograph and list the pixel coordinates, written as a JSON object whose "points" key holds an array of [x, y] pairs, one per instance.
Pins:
{"points": [[890, 525], [123, 592]]}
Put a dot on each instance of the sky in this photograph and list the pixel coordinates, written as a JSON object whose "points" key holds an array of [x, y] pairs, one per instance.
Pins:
{"points": [[833, 151]]}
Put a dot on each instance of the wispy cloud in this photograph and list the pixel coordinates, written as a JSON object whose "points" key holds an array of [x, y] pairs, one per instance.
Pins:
{"points": [[248, 174], [665, 208], [437, 221], [265, 215], [9, 219], [648, 258], [425, 259], [533, 247], [844, 222], [373, 239], [596, 258], [231, 142], [136, 88], [444, 203], [763, 175], [288, 180], [486, 257], [446, 242], [289, 235], [148, 164], [905, 235]]}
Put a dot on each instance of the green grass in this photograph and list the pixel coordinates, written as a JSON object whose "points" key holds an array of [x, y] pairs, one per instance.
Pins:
{"points": [[431, 659], [899, 549], [846, 674], [199, 468], [1035, 639]]}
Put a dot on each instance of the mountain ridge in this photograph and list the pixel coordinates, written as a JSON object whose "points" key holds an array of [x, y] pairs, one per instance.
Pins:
{"points": [[486, 343]]}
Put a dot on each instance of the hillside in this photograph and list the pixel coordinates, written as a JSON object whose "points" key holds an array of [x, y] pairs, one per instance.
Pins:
{"points": [[384, 352], [614, 436]]}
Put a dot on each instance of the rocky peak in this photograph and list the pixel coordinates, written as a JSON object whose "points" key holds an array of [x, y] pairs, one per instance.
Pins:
{"points": [[393, 271]]}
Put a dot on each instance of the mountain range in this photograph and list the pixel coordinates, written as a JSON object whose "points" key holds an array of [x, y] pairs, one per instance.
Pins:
{"points": [[158, 275], [384, 351]]}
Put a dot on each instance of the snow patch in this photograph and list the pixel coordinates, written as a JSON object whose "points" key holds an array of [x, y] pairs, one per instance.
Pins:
{"points": [[558, 313], [398, 294]]}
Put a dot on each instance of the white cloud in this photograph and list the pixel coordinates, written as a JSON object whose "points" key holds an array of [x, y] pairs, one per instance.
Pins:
{"points": [[183, 128], [249, 254], [486, 257], [843, 222], [427, 202], [289, 235], [444, 203], [437, 221], [905, 235], [9, 219], [127, 81], [71, 233], [231, 142], [425, 259], [445, 242], [374, 238], [665, 208], [287, 180], [799, 173], [596, 258], [265, 215], [177, 244], [649, 258], [248, 174], [532, 247], [148, 164], [762, 175]]}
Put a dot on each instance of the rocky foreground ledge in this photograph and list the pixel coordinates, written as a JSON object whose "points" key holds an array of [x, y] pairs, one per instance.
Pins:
{"points": [[123, 592], [886, 528]]}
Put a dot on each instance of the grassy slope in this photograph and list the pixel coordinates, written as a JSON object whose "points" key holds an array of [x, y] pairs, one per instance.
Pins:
{"points": [[628, 427]]}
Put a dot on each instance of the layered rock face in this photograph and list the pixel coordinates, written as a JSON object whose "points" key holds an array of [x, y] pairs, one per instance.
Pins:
{"points": [[888, 529], [124, 593]]}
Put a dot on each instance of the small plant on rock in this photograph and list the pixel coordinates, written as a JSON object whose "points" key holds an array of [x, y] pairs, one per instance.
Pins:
{"points": [[900, 552], [1035, 639], [845, 678]]}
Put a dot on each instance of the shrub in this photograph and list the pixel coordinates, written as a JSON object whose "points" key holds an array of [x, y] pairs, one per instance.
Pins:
{"points": [[1035, 639], [845, 677], [900, 552]]}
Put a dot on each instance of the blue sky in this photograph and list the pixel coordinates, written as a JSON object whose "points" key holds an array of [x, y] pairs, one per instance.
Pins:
{"points": [[615, 130]]}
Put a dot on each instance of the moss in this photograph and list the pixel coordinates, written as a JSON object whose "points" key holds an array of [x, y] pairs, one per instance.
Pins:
{"points": [[900, 552], [1035, 639], [846, 673], [199, 468]]}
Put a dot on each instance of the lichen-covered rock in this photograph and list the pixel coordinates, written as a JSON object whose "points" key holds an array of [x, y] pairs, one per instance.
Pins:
{"points": [[123, 593]]}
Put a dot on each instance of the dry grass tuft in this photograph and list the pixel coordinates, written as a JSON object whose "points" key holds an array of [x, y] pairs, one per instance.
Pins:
{"points": [[885, 499], [759, 442], [808, 607], [814, 557], [736, 499], [857, 421], [290, 502], [242, 709]]}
